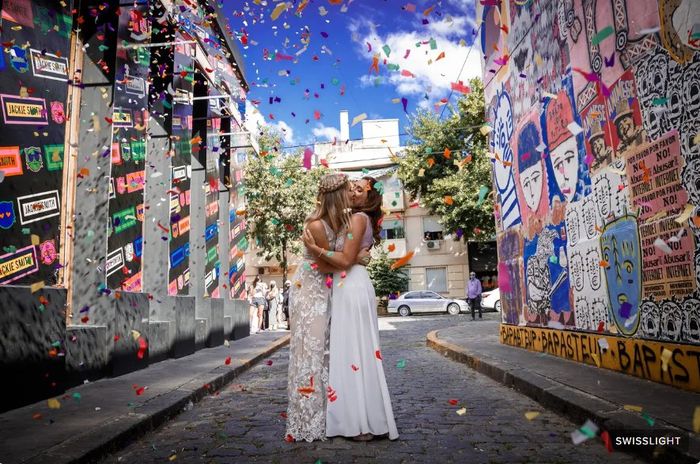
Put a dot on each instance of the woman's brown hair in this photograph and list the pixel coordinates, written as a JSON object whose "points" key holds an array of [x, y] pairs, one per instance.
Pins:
{"points": [[332, 202], [373, 208]]}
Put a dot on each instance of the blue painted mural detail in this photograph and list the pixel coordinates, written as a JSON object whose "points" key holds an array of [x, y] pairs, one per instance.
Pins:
{"points": [[620, 248], [503, 166]]}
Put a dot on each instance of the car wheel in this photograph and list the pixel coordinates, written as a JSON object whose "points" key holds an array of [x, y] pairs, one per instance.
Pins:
{"points": [[404, 311], [453, 308], [497, 306]]}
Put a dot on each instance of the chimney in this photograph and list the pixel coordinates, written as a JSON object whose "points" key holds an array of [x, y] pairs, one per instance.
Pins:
{"points": [[344, 126]]}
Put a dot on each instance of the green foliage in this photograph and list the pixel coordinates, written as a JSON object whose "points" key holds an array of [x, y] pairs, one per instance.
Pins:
{"points": [[455, 177], [386, 280], [279, 194]]}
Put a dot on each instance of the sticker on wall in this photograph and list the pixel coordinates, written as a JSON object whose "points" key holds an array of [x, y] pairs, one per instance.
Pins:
{"points": [[34, 158], [48, 252], [7, 214], [54, 157], [38, 206], [58, 114], [135, 86], [135, 181], [129, 252], [49, 66], [10, 161], [18, 59], [503, 166], [24, 110], [18, 11], [115, 261], [18, 264], [133, 283], [124, 219], [122, 117]]}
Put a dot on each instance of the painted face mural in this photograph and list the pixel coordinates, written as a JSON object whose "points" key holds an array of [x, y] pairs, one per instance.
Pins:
{"points": [[619, 243], [530, 166], [563, 147], [565, 163]]}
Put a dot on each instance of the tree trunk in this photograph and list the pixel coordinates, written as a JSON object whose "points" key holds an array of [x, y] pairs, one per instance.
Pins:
{"points": [[284, 262]]}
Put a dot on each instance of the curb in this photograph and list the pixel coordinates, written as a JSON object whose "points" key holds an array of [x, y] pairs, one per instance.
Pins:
{"points": [[111, 437], [574, 404]]}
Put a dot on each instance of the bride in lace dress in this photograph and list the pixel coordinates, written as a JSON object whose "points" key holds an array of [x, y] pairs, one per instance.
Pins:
{"points": [[309, 316], [359, 402]]}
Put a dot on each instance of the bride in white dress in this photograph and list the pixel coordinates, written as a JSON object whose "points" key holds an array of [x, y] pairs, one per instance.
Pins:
{"points": [[359, 404]]}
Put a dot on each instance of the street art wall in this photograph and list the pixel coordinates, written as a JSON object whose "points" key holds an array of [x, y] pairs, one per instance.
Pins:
{"points": [[595, 138], [33, 97]]}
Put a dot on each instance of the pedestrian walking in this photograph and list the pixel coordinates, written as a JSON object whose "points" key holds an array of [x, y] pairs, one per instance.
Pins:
{"points": [[272, 303], [257, 304], [474, 293]]}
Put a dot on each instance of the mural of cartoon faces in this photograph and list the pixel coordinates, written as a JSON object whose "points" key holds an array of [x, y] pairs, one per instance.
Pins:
{"points": [[620, 248]]}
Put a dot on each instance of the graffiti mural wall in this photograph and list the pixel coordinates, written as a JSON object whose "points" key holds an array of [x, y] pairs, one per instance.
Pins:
{"points": [[595, 142]]}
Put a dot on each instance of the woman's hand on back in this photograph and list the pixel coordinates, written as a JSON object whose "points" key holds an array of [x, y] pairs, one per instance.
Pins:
{"points": [[308, 239], [364, 257]]}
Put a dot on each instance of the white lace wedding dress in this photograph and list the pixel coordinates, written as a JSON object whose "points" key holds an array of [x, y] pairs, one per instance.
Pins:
{"points": [[309, 299], [359, 400]]}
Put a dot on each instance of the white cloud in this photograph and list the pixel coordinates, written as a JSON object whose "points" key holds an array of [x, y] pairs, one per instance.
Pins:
{"points": [[325, 133], [433, 78], [286, 131]]}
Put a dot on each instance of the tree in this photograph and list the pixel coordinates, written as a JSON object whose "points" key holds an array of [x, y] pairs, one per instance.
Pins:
{"points": [[385, 279], [446, 165], [279, 194]]}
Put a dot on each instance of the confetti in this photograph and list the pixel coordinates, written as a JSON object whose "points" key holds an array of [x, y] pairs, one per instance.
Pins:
{"points": [[602, 35], [696, 419], [279, 9], [587, 431], [53, 403], [358, 118], [378, 354], [402, 261], [665, 358], [354, 367], [401, 364], [227, 361], [531, 415], [462, 411]]}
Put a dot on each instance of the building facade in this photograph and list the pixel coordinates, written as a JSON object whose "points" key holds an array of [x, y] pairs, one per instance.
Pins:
{"points": [[593, 113], [119, 188]]}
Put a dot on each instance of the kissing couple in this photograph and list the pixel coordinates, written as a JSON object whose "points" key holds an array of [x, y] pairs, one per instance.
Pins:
{"points": [[336, 384]]}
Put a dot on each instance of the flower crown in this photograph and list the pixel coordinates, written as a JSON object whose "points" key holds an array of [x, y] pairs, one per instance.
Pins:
{"points": [[332, 182]]}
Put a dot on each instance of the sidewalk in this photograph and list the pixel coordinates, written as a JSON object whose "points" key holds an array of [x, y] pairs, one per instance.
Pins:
{"points": [[104, 415], [572, 389]]}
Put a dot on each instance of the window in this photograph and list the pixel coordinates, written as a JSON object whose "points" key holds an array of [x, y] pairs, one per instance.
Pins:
{"points": [[392, 228], [431, 296], [411, 296], [436, 279], [432, 229]]}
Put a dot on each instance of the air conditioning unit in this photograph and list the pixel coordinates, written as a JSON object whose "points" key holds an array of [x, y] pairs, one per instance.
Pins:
{"points": [[433, 244]]}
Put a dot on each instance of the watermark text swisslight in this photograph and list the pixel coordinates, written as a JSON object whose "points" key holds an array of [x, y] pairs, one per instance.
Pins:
{"points": [[630, 439]]}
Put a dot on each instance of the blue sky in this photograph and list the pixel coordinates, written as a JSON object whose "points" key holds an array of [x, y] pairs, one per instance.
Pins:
{"points": [[303, 60]]}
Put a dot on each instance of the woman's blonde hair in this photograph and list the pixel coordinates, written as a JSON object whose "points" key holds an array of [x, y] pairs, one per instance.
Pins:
{"points": [[332, 202]]}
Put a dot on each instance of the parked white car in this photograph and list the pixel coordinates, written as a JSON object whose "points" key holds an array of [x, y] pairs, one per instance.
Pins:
{"points": [[425, 301], [491, 300]]}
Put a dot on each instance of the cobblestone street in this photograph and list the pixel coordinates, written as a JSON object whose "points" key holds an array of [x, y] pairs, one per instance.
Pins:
{"points": [[244, 423]]}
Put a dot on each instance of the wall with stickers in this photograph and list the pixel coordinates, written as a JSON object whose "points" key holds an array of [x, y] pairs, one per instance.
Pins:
{"points": [[114, 297], [33, 94], [592, 108]]}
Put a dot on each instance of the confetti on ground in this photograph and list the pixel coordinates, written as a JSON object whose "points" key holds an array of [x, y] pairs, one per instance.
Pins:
{"points": [[587, 431], [53, 403], [462, 411], [453, 402], [227, 361], [401, 364], [531, 415]]}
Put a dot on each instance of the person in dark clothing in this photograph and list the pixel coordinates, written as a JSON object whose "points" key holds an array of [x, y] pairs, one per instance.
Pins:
{"points": [[285, 301], [474, 294]]}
